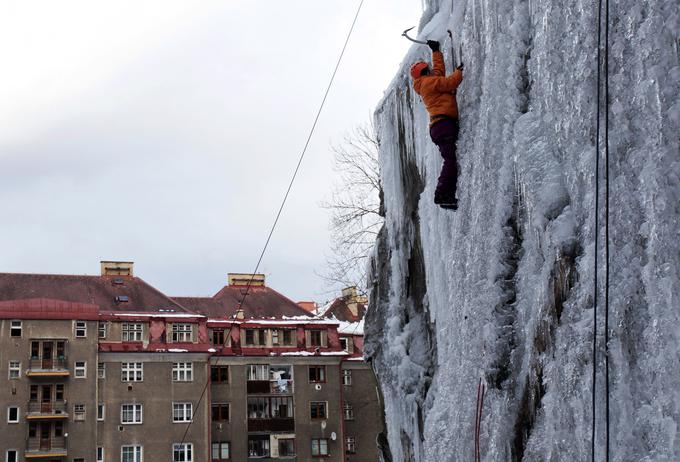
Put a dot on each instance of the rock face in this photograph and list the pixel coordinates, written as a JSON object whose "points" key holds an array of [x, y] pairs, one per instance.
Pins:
{"points": [[504, 288]]}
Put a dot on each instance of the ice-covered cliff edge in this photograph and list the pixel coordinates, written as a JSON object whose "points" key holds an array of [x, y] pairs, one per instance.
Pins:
{"points": [[503, 288]]}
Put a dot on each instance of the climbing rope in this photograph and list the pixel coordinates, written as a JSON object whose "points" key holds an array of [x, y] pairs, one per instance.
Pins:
{"points": [[278, 215], [597, 223]]}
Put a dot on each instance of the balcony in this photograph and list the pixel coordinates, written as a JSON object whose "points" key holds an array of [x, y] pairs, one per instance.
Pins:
{"points": [[271, 425], [38, 410], [270, 387], [56, 367], [38, 448]]}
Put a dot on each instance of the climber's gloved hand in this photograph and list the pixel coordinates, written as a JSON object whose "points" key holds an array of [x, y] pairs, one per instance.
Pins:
{"points": [[433, 44], [460, 66]]}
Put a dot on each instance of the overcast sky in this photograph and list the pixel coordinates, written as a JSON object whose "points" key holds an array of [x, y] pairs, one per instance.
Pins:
{"points": [[166, 132]]}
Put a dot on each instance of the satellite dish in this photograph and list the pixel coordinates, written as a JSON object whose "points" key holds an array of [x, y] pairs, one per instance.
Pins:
{"points": [[317, 386], [323, 424], [333, 436]]}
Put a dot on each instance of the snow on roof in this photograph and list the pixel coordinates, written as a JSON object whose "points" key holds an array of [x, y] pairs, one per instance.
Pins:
{"points": [[351, 328], [162, 314]]}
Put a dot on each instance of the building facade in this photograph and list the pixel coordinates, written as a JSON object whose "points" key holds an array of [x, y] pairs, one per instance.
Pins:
{"points": [[107, 368]]}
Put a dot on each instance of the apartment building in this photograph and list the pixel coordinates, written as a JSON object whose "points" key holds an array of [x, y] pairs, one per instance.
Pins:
{"points": [[107, 368]]}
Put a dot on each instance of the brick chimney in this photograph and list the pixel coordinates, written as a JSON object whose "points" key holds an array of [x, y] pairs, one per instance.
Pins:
{"points": [[116, 268], [243, 279], [352, 299], [308, 306]]}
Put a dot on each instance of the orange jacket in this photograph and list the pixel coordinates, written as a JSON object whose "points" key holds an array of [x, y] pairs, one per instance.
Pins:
{"points": [[437, 90]]}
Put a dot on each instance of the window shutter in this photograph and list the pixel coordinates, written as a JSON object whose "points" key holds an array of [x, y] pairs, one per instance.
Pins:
{"points": [[308, 338], [324, 338]]}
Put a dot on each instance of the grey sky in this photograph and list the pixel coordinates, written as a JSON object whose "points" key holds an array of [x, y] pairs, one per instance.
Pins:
{"points": [[166, 132]]}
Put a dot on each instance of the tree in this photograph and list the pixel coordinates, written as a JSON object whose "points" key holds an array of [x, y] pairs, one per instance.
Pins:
{"points": [[355, 206]]}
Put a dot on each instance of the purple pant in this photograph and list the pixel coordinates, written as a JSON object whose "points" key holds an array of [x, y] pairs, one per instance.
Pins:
{"points": [[444, 134]]}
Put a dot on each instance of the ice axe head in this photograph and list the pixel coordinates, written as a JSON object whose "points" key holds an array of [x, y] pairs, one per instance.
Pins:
{"points": [[405, 34]]}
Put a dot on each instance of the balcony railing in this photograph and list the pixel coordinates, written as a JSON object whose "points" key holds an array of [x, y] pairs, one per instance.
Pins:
{"points": [[54, 366], [46, 447], [283, 386], [45, 410], [271, 425]]}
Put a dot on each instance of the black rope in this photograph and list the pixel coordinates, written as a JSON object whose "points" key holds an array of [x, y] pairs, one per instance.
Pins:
{"points": [[597, 225], [278, 215]]}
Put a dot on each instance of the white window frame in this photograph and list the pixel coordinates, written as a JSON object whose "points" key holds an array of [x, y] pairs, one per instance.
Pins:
{"points": [[132, 332], [132, 372], [80, 326], [185, 410], [14, 325], [348, 411], [9, 410], [219, 446], [80, 369], [258, 372], [186, 448], [14, 366], [350, 445], [180, 330], [100, 454], [102, 329], [137, 414], [79, 412], [16, 455], [101, 416], [101, 370], [138, 452], [347, 377], [344, 344], [319, 453], [183, 373]]}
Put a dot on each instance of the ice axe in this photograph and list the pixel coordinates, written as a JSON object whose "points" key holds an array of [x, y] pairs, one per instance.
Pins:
{"points": [[405, 34]]}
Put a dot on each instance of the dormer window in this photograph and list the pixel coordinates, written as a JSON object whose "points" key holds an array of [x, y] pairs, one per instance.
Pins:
{"points": [[122, 299], [182, 333]]}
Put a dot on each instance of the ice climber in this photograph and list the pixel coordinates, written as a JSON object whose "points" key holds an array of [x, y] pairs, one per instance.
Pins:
{"points": [[438, 92]]}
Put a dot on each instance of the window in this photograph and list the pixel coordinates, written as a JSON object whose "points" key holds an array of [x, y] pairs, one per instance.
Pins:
{"points": [[102, 329], [101, 370], [258, 446], [317, 374], [181, 333], [59, 429], [287, 335], [13, 414], [350, 445], [318, 410], [80, 369], [101, 411], [132, 331], [343, 344], [11, 455], [320, 447], [15, 329], [182, 372], [280, 407], [220, 412], [315, 338], [131, 372], [32, 429], [275, 337], [79, 412], [256, 337], [58, 392], [218, 337], [347, 377], [81, 329], [131, 454], [15, 369], [348, 412], [220, 451], [182, 412], [182, 452], [258, 372], [131, 414], [100, 454], [286, 447], [219, 374]]}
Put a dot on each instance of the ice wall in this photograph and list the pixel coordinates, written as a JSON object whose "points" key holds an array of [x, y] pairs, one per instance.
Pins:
{"points": [[502, 289]]}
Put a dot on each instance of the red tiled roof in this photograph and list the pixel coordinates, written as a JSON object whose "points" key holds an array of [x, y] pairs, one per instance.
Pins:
{"points": [[95, 290], [261, 302], [43, 308], [341, 311]]}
